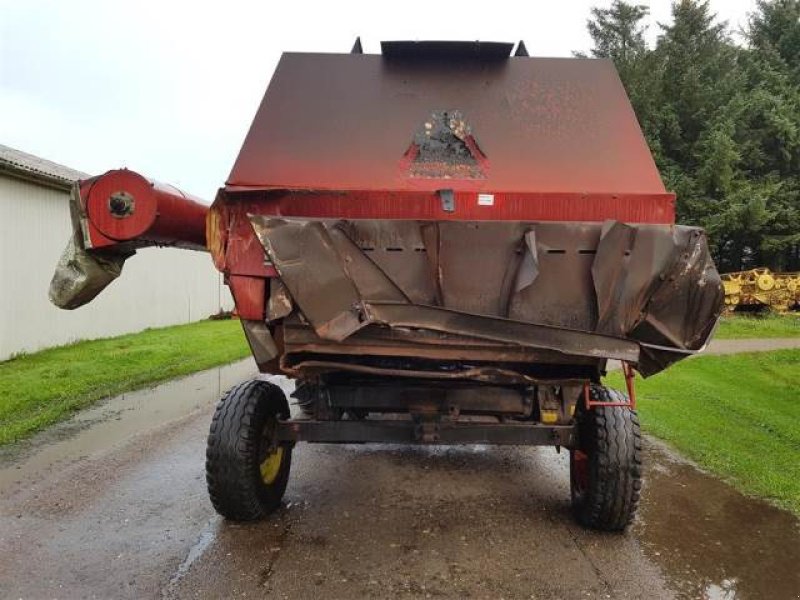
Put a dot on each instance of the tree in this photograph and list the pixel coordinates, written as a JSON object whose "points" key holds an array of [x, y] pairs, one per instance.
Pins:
{"points": [[699, 77], [722, 121], [618, 33], [770, 125], [774, 29]]}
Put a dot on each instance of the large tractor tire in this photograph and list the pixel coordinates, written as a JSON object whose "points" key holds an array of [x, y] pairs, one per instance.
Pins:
{"points": [[606, 467], [246, 470]]}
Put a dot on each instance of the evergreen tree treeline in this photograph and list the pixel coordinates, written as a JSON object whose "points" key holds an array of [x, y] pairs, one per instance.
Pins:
{"points": [[722, 120]]}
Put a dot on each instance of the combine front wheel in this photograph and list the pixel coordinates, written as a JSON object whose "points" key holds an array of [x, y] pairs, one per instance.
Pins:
{"points": [[246, 469], [606, 467]]}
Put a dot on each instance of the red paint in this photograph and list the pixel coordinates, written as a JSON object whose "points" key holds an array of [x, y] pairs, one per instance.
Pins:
{"points": [[250, 296], [627, 208], [631, 403], [580, 470], [161, 213], [244, 253], [627, 370], [546, 125]]}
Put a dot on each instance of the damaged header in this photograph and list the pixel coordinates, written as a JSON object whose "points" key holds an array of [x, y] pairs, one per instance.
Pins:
{"points": [[646, 295]]}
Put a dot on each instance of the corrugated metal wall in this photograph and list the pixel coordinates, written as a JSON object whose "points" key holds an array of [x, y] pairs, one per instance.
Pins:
{"points": [[158, 286]]}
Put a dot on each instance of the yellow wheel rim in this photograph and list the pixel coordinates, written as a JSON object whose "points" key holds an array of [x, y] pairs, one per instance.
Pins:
{"points": [[271, 466]]}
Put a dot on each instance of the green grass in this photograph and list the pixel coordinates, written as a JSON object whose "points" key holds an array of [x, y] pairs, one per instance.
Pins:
{"points": [[758, 326], [37, 390], [737, 415]]}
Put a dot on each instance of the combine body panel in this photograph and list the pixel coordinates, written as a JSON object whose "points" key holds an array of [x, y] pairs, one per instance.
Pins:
{"points": [[445, 232]]}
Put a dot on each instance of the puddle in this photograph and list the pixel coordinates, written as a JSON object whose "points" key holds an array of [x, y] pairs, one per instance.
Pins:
{"points": [[207, 536], [110, 423], [712, 542]]}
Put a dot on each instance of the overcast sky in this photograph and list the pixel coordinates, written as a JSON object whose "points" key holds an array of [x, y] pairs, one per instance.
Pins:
{"points": [[169, 88]]}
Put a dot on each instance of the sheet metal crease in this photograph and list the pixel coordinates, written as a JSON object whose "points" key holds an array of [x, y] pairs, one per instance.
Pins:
{"points": [[642, 279]]}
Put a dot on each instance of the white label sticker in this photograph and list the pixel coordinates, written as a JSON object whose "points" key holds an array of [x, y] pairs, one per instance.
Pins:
{"points": [[485, 199]]}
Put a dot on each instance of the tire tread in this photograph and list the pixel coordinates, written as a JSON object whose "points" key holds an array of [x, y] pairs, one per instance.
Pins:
{"points": [[612, 436], [234, 485]]}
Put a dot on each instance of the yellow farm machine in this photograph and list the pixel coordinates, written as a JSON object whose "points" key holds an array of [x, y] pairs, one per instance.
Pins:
{"points": [[759, 289]]}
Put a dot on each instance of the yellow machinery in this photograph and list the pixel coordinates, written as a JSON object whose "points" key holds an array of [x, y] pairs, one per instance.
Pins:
{"points": [[757, 288]]}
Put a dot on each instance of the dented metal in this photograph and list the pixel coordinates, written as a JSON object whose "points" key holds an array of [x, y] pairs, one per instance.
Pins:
{"points": [[81, 275], [603, 293]]}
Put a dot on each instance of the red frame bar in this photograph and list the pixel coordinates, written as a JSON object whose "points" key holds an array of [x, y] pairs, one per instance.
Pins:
{"points": [[427, 205], [629, 374]]}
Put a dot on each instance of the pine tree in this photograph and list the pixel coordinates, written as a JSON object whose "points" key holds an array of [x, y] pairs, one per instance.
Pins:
{"points": [[723, 121], [618, 33], [774, 29]]}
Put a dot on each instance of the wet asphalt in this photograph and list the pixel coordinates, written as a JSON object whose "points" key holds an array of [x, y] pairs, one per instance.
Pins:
{"points": [[113, 504]]}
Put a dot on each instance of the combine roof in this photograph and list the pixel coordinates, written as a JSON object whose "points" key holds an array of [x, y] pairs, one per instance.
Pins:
{"points": [[355, 121]]}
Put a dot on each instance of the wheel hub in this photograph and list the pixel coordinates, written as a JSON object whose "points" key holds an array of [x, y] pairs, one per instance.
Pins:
{"points": [[271, 465], [580, 471]]}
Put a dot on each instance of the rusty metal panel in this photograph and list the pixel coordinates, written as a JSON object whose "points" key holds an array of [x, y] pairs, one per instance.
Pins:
{"points": [[300, 338], [323, 283], [683, 310], [561, 294], [629, 263], [647, 294], [304, 255], [396, 248], [405, 432], [658, 286], [346, 122], [558, 339], [262, 345], [477, 265]]}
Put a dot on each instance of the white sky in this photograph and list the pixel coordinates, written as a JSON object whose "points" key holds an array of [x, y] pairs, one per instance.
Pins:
{"points": [[169, 88]]}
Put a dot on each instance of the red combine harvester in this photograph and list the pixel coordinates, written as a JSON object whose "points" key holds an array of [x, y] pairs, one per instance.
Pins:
{"points": [[441, 244]]}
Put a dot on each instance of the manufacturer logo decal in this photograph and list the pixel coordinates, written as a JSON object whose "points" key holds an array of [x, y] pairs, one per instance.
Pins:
{"points": [[445, 148]]}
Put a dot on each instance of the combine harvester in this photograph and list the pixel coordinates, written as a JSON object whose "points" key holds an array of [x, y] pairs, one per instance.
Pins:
{"points": [[441, 244]]}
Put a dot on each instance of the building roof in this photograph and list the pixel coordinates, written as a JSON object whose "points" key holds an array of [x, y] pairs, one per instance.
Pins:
{"points": [[27, 166]]}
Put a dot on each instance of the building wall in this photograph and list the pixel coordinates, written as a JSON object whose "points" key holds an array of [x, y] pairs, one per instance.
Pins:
{"points": [[158, 286]]}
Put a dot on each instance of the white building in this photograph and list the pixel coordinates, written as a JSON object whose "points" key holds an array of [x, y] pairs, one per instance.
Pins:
{"points": [[158, 286]]}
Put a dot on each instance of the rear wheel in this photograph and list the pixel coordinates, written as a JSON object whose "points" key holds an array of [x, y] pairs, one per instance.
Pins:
{"points": [[606, 466], [246, 468]]}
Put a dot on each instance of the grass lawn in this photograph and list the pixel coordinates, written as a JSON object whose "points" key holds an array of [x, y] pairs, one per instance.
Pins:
{"points": [[36, 390], [738, 416], [757, 326]]}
